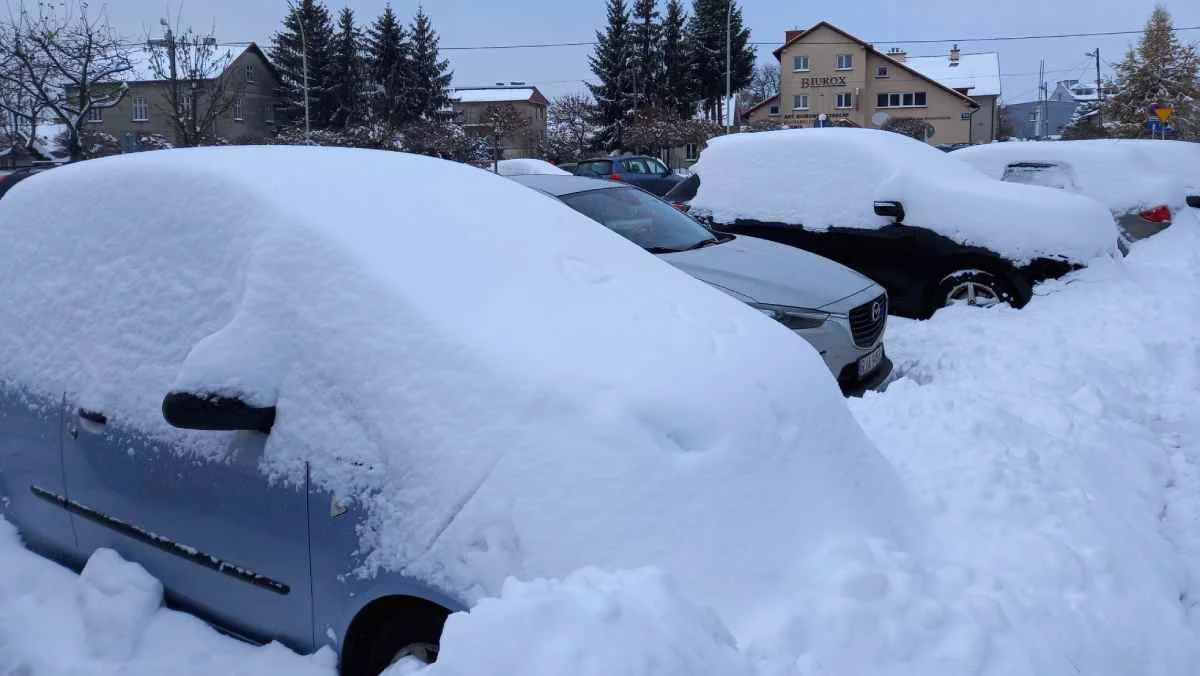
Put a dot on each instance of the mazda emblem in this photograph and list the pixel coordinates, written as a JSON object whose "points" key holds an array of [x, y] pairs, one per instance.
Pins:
{"points": [[876, 310]]}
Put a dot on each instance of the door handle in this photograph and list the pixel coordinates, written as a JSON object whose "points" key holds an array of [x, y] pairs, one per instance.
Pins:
{"points": [[94, 417]]}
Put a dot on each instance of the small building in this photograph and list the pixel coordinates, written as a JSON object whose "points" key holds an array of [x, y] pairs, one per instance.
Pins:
{"points": [[1080, 92], [250, 82], [830, 77], [470, 107]]}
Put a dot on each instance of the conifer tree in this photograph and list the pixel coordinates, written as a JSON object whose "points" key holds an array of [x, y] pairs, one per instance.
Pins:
{"points": [[287, 52], [610, 63], [646, 54], [390, 58], [431, 73], [1160, 70], [676, 91], [347, 72], [707, 45]]}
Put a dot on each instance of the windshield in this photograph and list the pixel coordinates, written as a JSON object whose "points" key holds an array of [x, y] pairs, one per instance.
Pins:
{"points": [[641, 218], [1047, 174]]}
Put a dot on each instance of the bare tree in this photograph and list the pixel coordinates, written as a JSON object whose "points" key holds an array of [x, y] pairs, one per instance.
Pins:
{"points": [[66, 61], [503, 124], [198, 89], [570, 124]]}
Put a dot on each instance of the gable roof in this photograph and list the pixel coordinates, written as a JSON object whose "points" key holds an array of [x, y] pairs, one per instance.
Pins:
{"points": [[797, 37], [978, 73], [143, 70], [498, 94], [758, 105]]}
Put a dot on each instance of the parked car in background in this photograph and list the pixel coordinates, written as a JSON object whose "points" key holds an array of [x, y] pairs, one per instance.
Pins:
{"points": [[838, 311], [7, 181], [930, 230], [648, 173], [1144, 183]]}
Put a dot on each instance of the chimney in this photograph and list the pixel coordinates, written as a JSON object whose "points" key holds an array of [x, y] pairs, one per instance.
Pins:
{"points": [[788, 36], [897, 54], [954, 55]]}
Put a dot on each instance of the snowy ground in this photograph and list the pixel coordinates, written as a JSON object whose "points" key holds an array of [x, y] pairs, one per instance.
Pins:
{"points": [[1056, 454]]}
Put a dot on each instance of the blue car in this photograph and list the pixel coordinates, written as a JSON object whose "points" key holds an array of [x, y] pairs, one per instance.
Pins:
{"points": [[647, 173]]}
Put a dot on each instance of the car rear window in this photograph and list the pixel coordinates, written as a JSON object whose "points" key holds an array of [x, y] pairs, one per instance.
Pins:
{"points": [[1047, 174], [600, 167]]}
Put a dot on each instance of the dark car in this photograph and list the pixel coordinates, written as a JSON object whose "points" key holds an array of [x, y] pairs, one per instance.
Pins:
{"points": [[647, 173], [924, 265], [7, 182]]}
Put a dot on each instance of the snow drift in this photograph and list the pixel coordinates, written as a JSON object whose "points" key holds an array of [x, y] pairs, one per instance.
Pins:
{"points": [[507, 387], [822, 178]]}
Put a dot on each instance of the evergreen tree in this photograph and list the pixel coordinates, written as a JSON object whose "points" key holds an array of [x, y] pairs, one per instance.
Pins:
{"points": [[1160, 70], [610, 64], [677, 94], [287, 52], [347, 72], [706, 47], [390, 57], [646, 57], [431, 73]]}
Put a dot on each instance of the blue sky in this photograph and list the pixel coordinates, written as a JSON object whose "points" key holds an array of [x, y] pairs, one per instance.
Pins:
{"points": [[561, 70]]}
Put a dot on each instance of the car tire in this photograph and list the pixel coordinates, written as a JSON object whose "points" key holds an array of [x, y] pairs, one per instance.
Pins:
{"points": [[976, 287], [398, 635]]}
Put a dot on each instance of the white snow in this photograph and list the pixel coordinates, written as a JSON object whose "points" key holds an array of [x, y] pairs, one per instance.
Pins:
{"points": [[978, 73], [1124, 175], [527, 166], [825, 178], [508, 388], [492, 95], [117, 600]]}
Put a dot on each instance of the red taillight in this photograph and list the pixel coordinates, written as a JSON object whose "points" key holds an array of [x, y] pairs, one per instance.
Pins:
{"points": [[615, 176], [1157, 215], [682, 206]]}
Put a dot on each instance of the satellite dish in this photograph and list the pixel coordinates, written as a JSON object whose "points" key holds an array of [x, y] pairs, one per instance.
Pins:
{"points": [[880, 119]]}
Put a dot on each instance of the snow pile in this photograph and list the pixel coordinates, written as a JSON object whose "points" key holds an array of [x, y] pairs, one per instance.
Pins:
{"points": [[1124, 175], [525, 167], [517, 398], [822, 178], [590, 624], [109, 621]]}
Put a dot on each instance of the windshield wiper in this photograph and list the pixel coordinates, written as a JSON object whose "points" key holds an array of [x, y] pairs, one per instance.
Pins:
{"points": [[703, 243]]}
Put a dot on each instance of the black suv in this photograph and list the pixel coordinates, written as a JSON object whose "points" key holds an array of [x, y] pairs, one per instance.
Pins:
{"points": [[647, 173]]}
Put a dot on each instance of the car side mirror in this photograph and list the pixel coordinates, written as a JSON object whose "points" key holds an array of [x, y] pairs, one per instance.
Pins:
{"points": [[191, 411], [890, 209], [1193, 201]]}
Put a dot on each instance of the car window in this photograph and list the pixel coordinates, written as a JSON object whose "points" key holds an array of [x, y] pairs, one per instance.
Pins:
{"points": [[599, 168], [657, 168], [641, 218], [1047, 174], [635, 166]]}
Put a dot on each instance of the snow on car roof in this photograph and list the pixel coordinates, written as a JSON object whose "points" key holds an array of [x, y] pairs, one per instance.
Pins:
{"points": [[1124, 175], [506, 387], [979, 74], [527, 167], [823, 178]]}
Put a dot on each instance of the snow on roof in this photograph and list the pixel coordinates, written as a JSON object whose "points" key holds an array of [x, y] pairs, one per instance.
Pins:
{"points": [[491, 94], [141, 58], [505, 386], [1124, 175], [980, 73], [843, 171], [526, 167]]}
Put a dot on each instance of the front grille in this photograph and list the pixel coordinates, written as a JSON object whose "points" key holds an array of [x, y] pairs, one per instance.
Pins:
{"points": [[867, 322]]}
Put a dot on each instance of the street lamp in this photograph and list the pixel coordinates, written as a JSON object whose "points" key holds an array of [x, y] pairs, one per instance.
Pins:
{"points": [[303, 67]]}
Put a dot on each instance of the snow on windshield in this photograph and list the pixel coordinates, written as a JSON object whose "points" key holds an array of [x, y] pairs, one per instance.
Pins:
{"points": [[822, 178], [506, 386]]}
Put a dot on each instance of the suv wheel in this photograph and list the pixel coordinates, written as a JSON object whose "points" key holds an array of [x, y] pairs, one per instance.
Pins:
{"points": [[977, 288]]}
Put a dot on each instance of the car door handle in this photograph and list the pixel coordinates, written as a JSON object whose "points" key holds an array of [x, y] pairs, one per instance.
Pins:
{"points": [[94, 417]]}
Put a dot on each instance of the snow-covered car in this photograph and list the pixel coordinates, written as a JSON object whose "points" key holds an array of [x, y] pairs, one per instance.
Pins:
{"points": [[929, 229], [528, 167], [329, 411], [1144, 183], [838, 311]]}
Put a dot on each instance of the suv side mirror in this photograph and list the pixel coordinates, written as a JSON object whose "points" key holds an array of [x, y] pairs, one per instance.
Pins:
{"points": [[191, 411], [890, 209], [1193, 201]]}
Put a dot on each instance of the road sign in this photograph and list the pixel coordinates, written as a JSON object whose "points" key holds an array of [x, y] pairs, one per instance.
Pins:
{"points": [[1154, 126], [1164, 113]]}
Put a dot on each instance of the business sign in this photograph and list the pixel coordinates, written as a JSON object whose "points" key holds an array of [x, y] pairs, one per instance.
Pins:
{"points": [[836, 81]]}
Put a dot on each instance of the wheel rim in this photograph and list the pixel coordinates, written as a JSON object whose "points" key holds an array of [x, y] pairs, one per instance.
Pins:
{"points": [[973, 293], [422, 653]]}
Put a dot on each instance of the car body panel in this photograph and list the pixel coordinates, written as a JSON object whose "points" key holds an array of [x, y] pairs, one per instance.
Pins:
{"points": [[222, 538]]}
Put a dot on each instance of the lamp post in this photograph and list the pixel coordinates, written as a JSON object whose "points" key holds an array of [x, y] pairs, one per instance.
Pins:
{"points": [[303, 67], [728, 66]]}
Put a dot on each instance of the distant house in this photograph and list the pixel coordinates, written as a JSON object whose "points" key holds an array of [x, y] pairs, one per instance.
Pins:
{"points": [[470, 105], [1040, 120], [145, 111], [1080, 91]]}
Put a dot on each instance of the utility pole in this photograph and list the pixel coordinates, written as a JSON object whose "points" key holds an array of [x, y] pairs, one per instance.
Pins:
{"points": [[1099, 93], [728, 65], [1043, 101], [303, 67]]}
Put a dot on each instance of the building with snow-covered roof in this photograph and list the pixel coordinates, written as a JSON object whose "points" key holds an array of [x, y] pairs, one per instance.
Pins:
{"points": [[470, 106], [829, 77], [1080, 91]]}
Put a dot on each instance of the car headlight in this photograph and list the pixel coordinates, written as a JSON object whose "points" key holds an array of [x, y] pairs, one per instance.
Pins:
{"points": [[793, 317]]}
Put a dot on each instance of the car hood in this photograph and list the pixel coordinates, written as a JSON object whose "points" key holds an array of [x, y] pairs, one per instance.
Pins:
{"points": [[767, 272]]}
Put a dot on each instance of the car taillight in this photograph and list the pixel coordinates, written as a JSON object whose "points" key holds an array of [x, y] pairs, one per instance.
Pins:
{"points": [[615, 176], [1158, 214], [682, 206]]}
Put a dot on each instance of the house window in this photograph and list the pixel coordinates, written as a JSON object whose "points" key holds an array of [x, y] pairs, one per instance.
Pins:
{"points": [[269, 114], [845, 62], [845, 100], [881, 71], [901, 100], [141, 109], [773, 110], [691, 151], [249, 72], [185, 106], [95, 115], [799, 63], [800, 102], [237, 108]]}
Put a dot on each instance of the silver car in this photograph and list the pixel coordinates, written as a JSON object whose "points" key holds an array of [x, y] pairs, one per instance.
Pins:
{"points": [[840, 312]]}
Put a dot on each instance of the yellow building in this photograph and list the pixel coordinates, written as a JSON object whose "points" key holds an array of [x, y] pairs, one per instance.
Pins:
{"points": [[830, 77]]}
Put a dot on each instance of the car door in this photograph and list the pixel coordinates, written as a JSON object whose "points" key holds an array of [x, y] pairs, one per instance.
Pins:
{"points": [[32, 491], [633, 171], [660, 179], [198, 515]]}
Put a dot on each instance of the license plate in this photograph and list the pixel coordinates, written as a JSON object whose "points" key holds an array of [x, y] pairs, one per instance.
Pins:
{"points": [[869, 362]]}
